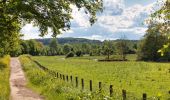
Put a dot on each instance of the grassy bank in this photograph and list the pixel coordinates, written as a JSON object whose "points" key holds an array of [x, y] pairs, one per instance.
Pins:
{"points": [[135, 77], [4, 78]]}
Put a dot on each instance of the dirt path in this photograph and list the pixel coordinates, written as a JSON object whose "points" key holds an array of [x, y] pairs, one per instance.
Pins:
{"points": [[19, 91]]}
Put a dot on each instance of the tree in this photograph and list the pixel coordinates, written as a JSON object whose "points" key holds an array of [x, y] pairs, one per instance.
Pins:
{"points": [[67, 48], [53, 14], [54, 47], [95, 50], [36, 47], [9, 36], [152, 42], [85, 48], [163, 14], [25, 47], [70, 54], [78, 53], [108, 48], [122, 48]]}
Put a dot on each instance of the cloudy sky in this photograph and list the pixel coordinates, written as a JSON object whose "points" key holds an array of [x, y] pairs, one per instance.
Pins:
{"points": [[119, 18]]}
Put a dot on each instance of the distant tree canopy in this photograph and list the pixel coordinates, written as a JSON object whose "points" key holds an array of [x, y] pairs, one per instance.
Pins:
{"points": [[45, 14]]}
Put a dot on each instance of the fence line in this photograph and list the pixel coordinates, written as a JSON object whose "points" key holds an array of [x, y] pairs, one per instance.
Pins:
{"points": [[63, 77]]}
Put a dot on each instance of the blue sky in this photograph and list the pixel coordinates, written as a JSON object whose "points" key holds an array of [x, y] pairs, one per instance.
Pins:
{"points": [[120, 17], [142, 2]]}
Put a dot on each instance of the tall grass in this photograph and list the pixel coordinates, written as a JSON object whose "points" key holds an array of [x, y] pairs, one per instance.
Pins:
{"points": [[4, 78]]}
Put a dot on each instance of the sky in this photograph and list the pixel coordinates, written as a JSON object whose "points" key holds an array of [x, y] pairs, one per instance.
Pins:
{"points": [[119, 18]]}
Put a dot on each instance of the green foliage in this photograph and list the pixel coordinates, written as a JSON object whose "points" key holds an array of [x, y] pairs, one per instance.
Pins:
{"points": [[35, 48], [78, 53], [55, 48], [53, 14], [122, 48], [163, 14], [152, 42], [95, 50], [70, 54], [108, 48], [67, 48], [4, 78]]}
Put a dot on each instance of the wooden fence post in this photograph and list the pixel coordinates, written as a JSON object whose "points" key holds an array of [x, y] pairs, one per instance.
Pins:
{"points": [[57, 74], [60, 76], [111, 90], [76, 81], [100, 86], [82, 83], [144, 96], [91, 89], [124, 94], [67, 78], [63, 77], [71, 79]]}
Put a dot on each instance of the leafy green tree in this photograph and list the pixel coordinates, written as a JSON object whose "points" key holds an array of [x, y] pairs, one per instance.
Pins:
{"points": [[54, 47], [85, 48], [78, 53], [108, 48], [35, 47], [152, 42], [25, 47], [53, 14], [95, 50], [122, 48], [70, 54], [67, 48], [163, 14]]}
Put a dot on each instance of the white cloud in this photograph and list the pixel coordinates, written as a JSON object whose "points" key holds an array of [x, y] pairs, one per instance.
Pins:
{"points": [[80, 18], [113, 7], [130, 20], [112, 23]]}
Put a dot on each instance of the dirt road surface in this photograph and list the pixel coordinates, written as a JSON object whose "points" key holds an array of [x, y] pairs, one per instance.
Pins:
{"points": [[19, 91]]}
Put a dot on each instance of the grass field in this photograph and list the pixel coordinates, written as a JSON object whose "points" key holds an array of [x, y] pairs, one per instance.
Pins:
{"points": [[135, 77], [4, 78]]}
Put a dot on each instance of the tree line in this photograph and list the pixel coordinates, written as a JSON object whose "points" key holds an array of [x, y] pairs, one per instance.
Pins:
{"points": [[107, 48]]}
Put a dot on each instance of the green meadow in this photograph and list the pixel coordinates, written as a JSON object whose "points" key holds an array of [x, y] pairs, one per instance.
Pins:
{"points": [[4, 78], [134, 77]]}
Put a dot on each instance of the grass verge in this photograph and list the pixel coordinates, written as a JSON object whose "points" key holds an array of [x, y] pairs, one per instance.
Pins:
{"points": [[4, 78]]}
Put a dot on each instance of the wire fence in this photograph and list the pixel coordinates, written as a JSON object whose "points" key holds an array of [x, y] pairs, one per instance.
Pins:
{"points": [[116, 94]]}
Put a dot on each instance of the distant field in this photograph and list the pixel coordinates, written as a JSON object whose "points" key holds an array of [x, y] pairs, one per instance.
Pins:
{"points": [[4, 78]]}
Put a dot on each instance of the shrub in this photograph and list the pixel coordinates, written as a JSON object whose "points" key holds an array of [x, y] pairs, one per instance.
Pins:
{"points": [[78, 53], [70, 54]]}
